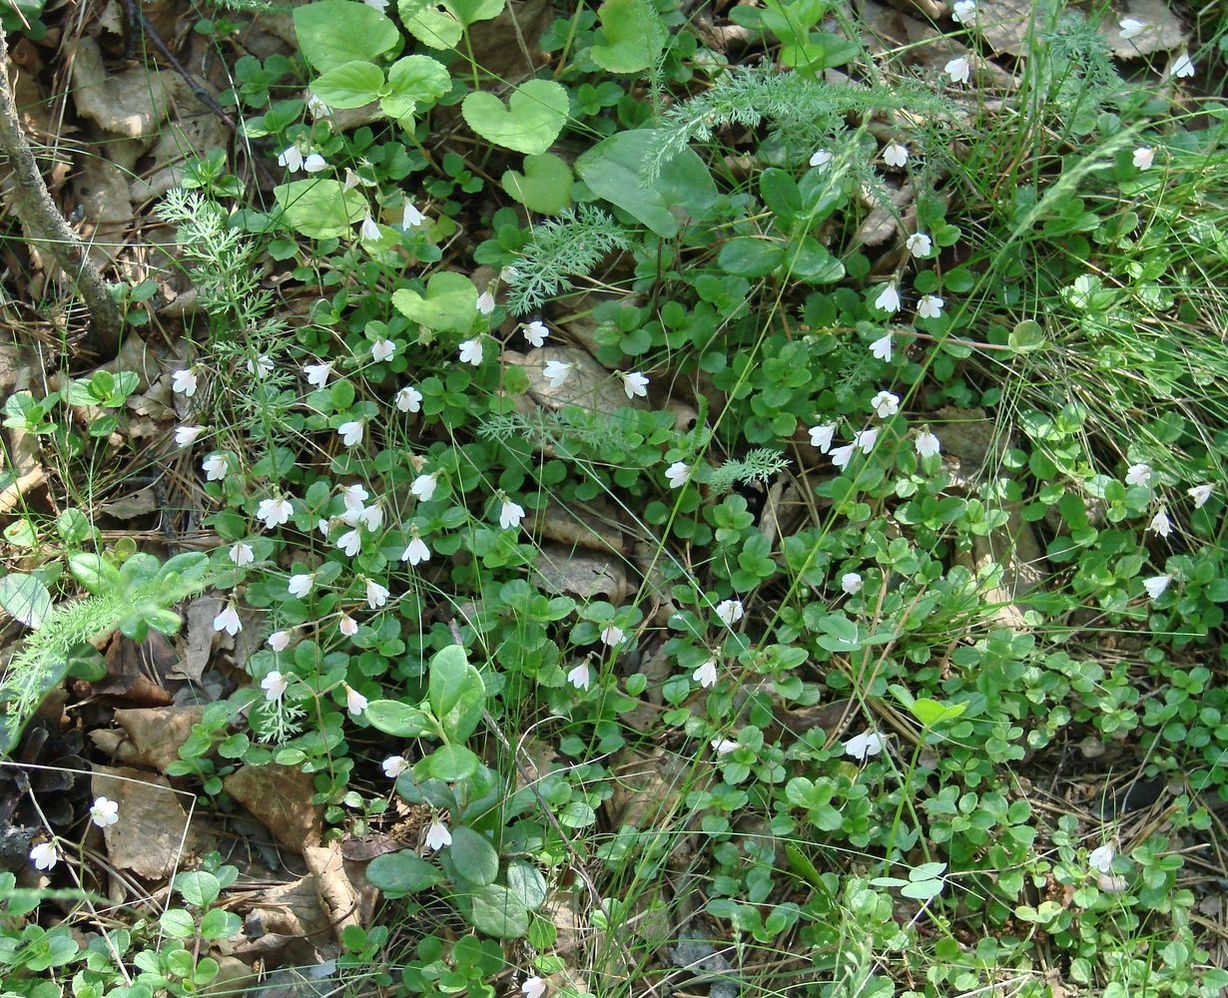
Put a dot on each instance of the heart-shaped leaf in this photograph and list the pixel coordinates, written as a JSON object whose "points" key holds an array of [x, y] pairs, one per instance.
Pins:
{"points": [[449, 306], [431, 23], [352, 84], [414, 84], [532, 120], [333, 32], [545, 186], [320, 208], [634, 36]]}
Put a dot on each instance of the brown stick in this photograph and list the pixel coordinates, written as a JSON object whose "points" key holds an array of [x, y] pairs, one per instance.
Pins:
{"points": [[39, 214]]}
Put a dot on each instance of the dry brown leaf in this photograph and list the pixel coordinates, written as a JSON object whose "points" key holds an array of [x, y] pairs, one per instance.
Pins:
{"points": [[1164, 31], [589, 385], [157, 732], [132, 103], [1005, 24], [178, 141], [340, 898], [280, 796], [561, 571], [198, 646], [153, 836], [508, 46], [137, 503]]}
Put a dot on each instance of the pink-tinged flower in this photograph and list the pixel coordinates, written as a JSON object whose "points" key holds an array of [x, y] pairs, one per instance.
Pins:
{"points": [[580, 676], [471, 352], [184, 382], [274, 512], [382, 350], [706, 674], [416, 550], [347, 625], [377, 595], [927, 444], [241, 554], [1143, 157], [274, 685], [185, 436], [44, 856], [730, 611], [228, 621], [851, 583], [821, 436], [634, 384], [437, 835], [104, 812], [535, 333], [408, 399], [301, 584], [394, 766], [864, 745], [279, 641], [486, 303], [353, 496], [355, 702], [612, 636]]}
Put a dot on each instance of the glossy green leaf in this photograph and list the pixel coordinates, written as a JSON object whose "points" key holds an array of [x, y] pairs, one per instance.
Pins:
{"points": [[529, 122]]}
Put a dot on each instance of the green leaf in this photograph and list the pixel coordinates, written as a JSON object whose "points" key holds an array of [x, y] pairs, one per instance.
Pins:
{"points": [[475, 858], [471, 11], [457, 693], [634, 36], [614, 170], [198, 888], [811, 262], [839, 633], [448, 763], [219, 923], [526, 882], [318, 207], [352, 84], [415, 83], [25, 599], [821, 50], [177, 923], [545, 186], [450, 305], [931, 712], [1027, 336], [334, 32], [536, 113], [747, 256], [93, 572], [431, 23], [402, 872], [499, 913], [401, 720]]}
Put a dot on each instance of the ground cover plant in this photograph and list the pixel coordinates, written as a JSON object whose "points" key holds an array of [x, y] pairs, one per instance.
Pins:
{"points": [[647, 498]]}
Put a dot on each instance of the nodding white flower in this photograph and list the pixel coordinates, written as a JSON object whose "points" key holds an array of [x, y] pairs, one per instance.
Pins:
{"points": [[851, 583], [301, 584], [885, 404], [485, 303], [677, 474], [437, 835], [959, 70], [228, 621], [317, 374], [508, 274], [377, 595], [382, 350], [394, 766], [1138, 474], [881, 347], [372, 517], [279, 641], [104, 812], [347, 625], [1144, 156], [1156, 585], [44, 856], [580, 676], [184, 382], [351, 432], [895, 154], [355, 702], [241, 554], [471, 352], [723, 746], [274, 685], [556, 372], [354, 495], [350, 542], [510, 514], [1183, 67], [1200, 494], [612, 636], [634, 384], [409, 399], [1131, 27], [424, 486], [315, 162], [822, 435], [888, 299], [842, 456], [930, 307], [317, 107], [260, 367], [1160, 523], [369, 229], [411, 217], [963, 11], [927, 444], [706, 675], [821, 158], [864, 439], [185, 436], [274, 512], [1101, 859], [864, 745], [291, 158], [325, 526], [919, 244], [533, 987], [416, 550], [730, 611], [536, 332], [215, 467]]}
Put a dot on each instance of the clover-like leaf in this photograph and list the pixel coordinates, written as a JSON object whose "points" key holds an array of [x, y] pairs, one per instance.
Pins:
{"points": [[545, 186], [529, 123]]}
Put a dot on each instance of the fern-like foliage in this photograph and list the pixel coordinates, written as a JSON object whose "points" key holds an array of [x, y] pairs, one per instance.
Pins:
{"points": [[571, 431], [561, 250], [758, 466], [749, 96]]}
